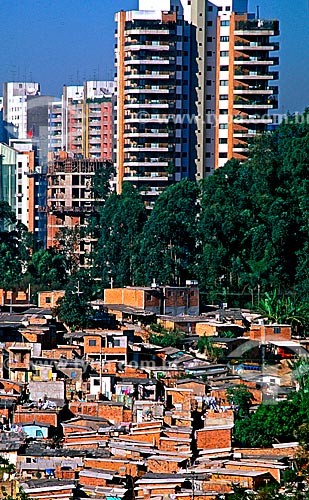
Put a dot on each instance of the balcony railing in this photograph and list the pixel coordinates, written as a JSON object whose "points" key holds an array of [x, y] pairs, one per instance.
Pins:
{"points": [[258, 24]]}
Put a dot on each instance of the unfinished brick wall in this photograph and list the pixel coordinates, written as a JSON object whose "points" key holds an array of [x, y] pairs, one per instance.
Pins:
{"points": [[267, 332], [40, 417], [113, 465], [207, 439], [113, 413], [163, 466]]}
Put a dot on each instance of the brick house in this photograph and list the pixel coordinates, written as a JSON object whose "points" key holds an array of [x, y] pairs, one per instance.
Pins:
{"points": [[217, 431], [48, 299], [266, 333], [107, 346], [158, 299]]}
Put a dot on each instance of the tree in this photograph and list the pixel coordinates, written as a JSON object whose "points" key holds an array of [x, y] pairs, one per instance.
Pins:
{"points": [[73, 309], [14, 248], [101, 182], [284, 309], [168, 241], [121, 222], [273, 422], [168, 338], [205, 345], [48, 269], [241, 397], [253, 226]]}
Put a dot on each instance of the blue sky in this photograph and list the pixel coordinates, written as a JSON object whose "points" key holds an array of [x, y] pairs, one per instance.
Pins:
{"points": [[61, 42]]}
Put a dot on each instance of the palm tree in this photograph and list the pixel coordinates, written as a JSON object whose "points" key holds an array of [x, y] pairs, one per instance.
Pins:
{"points": [[284, 310]]}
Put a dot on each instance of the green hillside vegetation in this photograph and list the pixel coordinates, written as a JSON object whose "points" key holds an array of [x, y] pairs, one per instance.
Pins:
{"points": [[242, 233]]}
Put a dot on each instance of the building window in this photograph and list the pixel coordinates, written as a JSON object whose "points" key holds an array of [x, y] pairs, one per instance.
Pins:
{"points": [[224, 38], [209, 39], [224, 53], [224, 68], [277, 329], [170, 294], [209, 23], [96, 381], [223, 97], [116, 343], [224, 83], [223, 141], [225, 23], [223, 112], [210, 8], [148, 296], [209, 68], [48, 300], [92, 342], [223, 125], [222, 155]]}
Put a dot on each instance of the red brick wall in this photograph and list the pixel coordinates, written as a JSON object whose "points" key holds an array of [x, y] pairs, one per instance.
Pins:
{"points": [[163, 466], [266, 332], [212, 439], [112, 464], [274, 472], [92, 349], [92, 481], [39, 417], [112, 413], [49, 299], [289, 451]]}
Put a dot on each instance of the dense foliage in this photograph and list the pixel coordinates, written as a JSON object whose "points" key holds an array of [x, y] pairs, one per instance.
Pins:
{"points": [[242, 233], [273, 423]]}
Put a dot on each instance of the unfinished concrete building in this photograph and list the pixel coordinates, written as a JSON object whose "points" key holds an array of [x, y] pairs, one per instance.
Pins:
{"points": [[71, 201]]}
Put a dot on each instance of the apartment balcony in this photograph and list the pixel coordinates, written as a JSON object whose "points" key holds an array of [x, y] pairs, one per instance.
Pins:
{"points": [[148, 31], [153, 148], [147, 119], [92, 140], [153, 164], [146, 134], [130, 61], [254, 119], [136, 46], [254, 75], [158, 75], [244, 133], [253, 46], [144, 90], [257, 27], [152, 192], [240, 150], [94, 114], [255, 61], [146, 178], [255, 105], [255, 90], [153, 105]]}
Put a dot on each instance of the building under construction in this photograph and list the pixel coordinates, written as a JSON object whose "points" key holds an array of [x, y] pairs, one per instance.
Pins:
{"points": [[70, 200]]}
